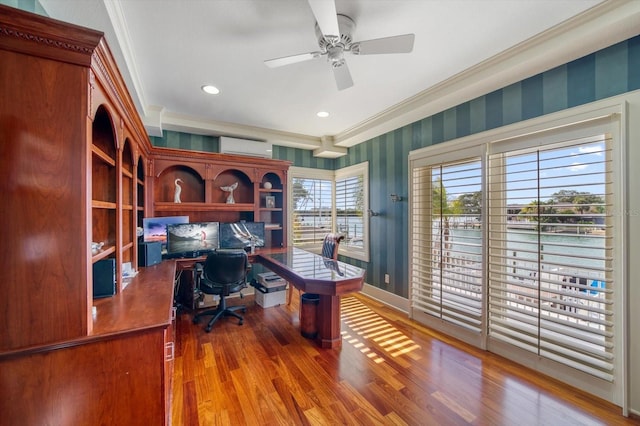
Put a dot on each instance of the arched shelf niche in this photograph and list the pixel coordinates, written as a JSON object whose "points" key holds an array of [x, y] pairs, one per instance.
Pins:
{"points": [[190, 182], [103, 184], [242, 194]]}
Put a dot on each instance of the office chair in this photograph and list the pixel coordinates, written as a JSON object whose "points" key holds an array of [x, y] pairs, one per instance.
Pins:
{"points": [[330, 246], [224, 272]]}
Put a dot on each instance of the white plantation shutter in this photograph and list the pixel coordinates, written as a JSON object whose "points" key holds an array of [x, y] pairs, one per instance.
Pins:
{"points": [[542, 282], [325, 201], [352, 203], [551, 245], [312, 215], [446, 248]]}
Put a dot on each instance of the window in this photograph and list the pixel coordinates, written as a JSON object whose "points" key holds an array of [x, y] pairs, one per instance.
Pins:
{"points": [[324, 201], [516, 246], [312, 201], [447, 241], [551, 246], [352, 203]]}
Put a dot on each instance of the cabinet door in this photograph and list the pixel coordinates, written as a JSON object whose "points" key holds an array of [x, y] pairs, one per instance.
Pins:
{"points": [[111, 382], [44, 238]]}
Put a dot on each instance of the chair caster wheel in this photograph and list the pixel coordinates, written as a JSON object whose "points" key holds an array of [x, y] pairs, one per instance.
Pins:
{"points": [[240, 323], [244, 310], [196, 320], [207, 329]]}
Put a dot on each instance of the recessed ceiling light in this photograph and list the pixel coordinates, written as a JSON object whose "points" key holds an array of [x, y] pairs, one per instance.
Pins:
{"points": [[323, 114], [212, 90]]}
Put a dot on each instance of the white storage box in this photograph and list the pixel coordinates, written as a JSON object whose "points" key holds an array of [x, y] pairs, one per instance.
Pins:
{"points": [[267, 300]]}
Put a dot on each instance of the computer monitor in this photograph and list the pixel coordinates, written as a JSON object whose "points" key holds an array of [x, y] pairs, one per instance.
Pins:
{"points": [[240, 234], [191, 239], [155, 228]]}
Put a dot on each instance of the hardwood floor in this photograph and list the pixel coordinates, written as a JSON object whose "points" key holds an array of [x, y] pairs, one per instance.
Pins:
{"points": [[390, 371]]}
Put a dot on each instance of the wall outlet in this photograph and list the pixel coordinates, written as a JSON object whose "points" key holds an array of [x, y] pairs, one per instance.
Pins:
{"points": [[386, 278]]}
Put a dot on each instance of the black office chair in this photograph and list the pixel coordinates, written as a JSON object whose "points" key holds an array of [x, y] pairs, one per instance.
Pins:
{"points": [[224, 272]]}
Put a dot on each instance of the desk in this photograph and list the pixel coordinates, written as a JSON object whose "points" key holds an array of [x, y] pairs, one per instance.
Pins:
{"points": [[310, 273], [314, 274]]}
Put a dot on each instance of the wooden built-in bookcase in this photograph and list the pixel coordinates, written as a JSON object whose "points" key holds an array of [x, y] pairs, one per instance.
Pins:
{"points": [[201, 177], [77, 168]]}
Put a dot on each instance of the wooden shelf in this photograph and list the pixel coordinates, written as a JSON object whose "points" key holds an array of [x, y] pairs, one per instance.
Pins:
{"points": [[164, 206], [106, 252], [97, 204], [103, 156]]}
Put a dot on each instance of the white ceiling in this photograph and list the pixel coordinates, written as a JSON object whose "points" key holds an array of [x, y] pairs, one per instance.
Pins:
{"points": [[168, 49]]}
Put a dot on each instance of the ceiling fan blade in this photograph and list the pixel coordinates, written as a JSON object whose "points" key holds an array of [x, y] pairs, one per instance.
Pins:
{"points": [[394, 44], [287, 60], [342, 76], [326, 16]]}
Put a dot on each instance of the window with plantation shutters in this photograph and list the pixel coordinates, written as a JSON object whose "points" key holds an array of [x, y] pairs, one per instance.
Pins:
{"points": [[515, 246], [325, 201], [312, 216], [551, 250], [351, 202], [312, 205], [447, 264]]}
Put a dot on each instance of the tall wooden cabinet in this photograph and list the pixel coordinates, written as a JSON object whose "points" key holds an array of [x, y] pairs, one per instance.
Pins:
{"points": [[73, 159]]}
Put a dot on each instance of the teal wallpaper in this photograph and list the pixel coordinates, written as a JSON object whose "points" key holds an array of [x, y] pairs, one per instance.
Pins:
{"points": [[179, 140], [303, 158], [609, 72]]}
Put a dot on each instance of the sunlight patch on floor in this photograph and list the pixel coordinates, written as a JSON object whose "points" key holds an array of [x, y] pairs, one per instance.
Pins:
{"points": [[368, 325]]}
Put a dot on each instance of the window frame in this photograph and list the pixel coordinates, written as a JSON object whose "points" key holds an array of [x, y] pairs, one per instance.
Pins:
{"points": [[355, 171], [572, 122], [360, 169], [313, 174]]}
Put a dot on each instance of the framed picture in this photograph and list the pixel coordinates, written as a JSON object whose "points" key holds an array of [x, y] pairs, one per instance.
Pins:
{"points": [[270, 202]]}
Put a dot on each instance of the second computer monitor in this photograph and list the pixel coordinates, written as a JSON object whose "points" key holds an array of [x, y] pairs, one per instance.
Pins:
{"points": [[242, 234]]}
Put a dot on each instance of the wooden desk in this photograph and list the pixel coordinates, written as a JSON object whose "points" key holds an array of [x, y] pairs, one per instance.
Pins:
{"points": [[312, 273]]}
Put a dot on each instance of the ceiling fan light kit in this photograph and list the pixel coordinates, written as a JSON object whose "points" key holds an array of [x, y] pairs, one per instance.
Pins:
{"points": [[333, 46]]}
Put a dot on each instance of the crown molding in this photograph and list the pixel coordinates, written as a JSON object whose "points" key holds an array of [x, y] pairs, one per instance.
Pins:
{"points": [[608, 23], [121, 30], [189, 124]]}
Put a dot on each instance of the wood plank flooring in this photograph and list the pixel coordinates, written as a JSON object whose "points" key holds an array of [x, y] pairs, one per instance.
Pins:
{"points": [[390, 371]]}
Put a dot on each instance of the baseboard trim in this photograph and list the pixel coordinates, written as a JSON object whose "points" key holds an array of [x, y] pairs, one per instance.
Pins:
{"points": [[383, 296]]}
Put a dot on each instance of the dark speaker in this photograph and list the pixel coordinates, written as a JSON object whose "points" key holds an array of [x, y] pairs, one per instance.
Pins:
{"points": [[149, 254], [104, 278]]}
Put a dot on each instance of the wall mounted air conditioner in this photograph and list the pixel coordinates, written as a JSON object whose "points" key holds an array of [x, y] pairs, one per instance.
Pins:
{"points": [[245, 147]]}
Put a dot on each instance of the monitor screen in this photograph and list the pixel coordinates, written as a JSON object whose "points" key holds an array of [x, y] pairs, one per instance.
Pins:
{"points": [[239, 234], [191, 239], [155, 228]]}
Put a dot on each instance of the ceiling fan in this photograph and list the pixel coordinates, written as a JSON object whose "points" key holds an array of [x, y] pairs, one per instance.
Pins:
{"points": [[334, 38]]}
